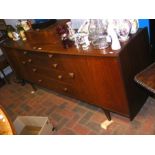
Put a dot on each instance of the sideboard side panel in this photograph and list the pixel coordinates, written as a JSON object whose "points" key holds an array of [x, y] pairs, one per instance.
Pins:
{"points": [[133, 59]]}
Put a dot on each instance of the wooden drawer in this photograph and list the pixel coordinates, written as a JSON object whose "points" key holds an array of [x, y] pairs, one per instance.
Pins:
{"points": [[53, 61], [58, 86], [81, 83], [22, 54], [44, 60], [68, 77]]}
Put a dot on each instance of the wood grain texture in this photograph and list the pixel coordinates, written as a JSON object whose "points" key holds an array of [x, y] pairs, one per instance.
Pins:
{"points": [[6, 126], [146, 78], [134, 58], [104, 78]]}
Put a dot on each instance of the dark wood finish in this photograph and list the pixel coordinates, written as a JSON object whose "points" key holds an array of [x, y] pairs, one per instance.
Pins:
{"points": [[152, 37], [107, 113], [2, 82], [43, 36], [146, 78], [134, 58], [104, 78], [33, 87]]}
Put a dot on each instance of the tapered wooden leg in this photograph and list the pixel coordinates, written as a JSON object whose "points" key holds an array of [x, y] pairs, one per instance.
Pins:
{"points": [[33, 87], [107, 113], [2, 82], [23, 82], [152, 95], [20, 81]]}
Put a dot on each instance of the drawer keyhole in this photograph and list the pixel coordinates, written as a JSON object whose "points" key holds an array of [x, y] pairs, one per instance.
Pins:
{"points": [[40, 80], [25, 52], [65, 89], [55, 65], [23, 62], [71, 75], [59, 76], [39, 48], [34, 69], [29, 60], [50, 55]]}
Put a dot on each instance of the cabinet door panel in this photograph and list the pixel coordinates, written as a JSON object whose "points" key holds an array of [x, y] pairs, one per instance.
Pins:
{"points": [[108, 84]]}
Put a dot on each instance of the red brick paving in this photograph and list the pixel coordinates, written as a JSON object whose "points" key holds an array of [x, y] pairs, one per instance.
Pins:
{"points": [[98, 117], [81, 129], [71, 116]]}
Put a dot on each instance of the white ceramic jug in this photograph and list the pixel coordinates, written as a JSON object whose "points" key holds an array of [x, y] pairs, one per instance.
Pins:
{"points": [[115, 41]]}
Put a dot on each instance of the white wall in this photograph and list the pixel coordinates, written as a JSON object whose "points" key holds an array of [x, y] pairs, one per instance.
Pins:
{"points": [[12, 22], [76, 23]]}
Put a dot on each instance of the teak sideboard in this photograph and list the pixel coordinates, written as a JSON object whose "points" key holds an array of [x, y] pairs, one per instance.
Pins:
{"points": [[104, 78]]}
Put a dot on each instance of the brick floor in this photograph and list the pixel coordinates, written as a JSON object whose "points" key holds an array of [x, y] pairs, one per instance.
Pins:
{"points": [[70, 116]]}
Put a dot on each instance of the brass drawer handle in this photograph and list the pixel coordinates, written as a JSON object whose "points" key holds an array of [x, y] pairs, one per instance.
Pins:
{"points": [[25, 52], [29, 60], [59, 76], [23, 62], [55, 65], [65, 89], [34, 69], [50, 55], [71, 75], [39, 48], [40, 80]]}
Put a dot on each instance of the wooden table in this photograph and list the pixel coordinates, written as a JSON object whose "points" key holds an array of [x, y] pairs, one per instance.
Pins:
{"points": [[146, 78], [6, 127]]}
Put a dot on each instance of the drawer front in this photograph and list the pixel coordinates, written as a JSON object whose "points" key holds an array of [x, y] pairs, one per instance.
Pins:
{"points": [[44, 60], [57, 86], [53, 61], [71, 70], [67, 77], [93, 82]]}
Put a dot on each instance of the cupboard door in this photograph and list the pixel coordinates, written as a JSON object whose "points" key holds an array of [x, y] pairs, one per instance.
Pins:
{"points": [[107, 84]]}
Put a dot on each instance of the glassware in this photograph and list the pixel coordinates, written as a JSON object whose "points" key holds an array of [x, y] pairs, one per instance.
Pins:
{"points": [[123, 29], [98, 33], [92, 30], [101, 42]]}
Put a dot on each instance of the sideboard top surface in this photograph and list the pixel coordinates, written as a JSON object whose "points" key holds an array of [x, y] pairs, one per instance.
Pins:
{"points": [[56, 47]]}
